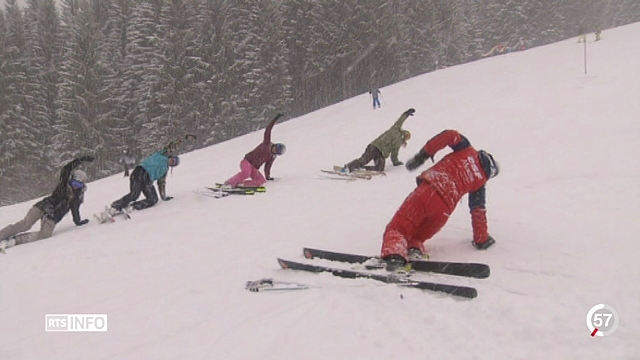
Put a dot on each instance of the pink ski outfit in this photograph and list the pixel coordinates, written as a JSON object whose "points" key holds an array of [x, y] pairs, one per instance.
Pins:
{"points": [[250, 165]]}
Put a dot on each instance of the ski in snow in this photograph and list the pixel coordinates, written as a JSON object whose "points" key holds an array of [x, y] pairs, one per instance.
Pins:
{"points": [[268, 284], [348, 175], [474, 270], [107, 217], [254, 188], [220, 193], [390, 278]]}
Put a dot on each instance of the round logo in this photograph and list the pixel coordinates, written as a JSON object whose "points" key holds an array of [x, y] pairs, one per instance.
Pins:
{"points": [[602, 320]]}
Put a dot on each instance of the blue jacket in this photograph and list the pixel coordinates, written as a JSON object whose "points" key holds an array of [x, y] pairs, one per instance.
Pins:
{"points": [[156, 165]]}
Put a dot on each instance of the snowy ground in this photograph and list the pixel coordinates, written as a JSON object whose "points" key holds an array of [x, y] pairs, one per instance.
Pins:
{"points": [[564, 212]]}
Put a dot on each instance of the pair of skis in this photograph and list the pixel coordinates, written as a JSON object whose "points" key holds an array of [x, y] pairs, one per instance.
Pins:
{"points": [[108, 216], [472, 270], [356, 174], [219, 192]]}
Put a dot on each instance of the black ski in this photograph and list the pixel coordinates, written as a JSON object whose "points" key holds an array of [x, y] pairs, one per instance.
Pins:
{"points": [[474, 270], [391, 278]]}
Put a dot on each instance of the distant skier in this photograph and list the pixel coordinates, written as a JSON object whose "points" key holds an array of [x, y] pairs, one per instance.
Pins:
{"points": [[387, 144], [375, 93], [426, 210], [68, 195], [127, 160], [498, 49], [265, 153], [153, 168], [598, 32], [582, 35]]}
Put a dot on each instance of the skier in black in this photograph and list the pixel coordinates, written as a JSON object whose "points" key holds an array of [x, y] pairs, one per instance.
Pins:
{"points": [[68, 195], [153, 168]]}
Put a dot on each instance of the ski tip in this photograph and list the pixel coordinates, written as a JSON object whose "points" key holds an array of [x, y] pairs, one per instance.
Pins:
{"points": [[283, 264], [307, 253]]}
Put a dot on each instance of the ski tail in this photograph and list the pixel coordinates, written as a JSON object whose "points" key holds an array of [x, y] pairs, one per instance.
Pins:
{"points": [[310, 253], [456, 290]]}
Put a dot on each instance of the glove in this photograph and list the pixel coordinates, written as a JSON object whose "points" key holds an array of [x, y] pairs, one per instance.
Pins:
{"points": [[82, 222], [418, 160], [270, 178], [279, 115], [410, 112], [167, 198], [86, 158], [398, 163]]}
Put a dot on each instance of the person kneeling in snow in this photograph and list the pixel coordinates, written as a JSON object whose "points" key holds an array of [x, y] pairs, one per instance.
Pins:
{"points": [[385, 145], [154, 167], [68, 195], [426, 210], [265, 153]]}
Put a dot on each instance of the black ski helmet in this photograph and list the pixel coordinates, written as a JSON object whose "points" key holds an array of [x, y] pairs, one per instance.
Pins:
{"points": [[489, 164]]}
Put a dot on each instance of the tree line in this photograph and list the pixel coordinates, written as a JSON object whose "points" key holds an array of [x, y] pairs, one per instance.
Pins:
{"points": [[102, 76]]}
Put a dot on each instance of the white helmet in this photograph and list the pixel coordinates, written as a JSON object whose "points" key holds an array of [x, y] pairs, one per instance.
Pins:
{"points": [[80, 176]]}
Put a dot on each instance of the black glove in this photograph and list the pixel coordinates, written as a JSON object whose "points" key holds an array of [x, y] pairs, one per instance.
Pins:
{"points": [[270, 178], [410, 112], [86, 158], [82, 222], [167, 198], [398, 163], [418, 160], [278, 116]]}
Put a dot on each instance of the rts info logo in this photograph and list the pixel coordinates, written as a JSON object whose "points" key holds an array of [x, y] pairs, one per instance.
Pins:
{"points": [[75, 322]]}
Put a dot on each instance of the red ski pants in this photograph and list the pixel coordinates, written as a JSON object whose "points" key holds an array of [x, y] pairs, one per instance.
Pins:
{"points": [[422, 214]]}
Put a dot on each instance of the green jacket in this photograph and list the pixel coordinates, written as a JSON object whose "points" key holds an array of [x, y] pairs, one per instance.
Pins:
{"points": [[390, 141]]}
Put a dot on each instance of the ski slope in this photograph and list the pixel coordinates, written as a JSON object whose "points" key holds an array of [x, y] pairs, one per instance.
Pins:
{"points": [[564, 212]]}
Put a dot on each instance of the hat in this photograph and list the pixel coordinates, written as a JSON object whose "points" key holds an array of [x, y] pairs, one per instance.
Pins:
{"points": [[278, 149], [406, 135], [80, 176]]}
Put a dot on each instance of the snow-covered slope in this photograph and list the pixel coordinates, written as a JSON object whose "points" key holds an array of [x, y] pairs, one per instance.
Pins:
{"points": [[564, 212]]}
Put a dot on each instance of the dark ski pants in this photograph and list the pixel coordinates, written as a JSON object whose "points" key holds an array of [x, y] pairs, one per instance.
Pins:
{"points": [[370, 153], [33, 215], [376, 101], [139, 182]]}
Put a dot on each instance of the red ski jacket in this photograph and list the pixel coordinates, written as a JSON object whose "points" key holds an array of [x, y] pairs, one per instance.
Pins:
{"points": [[458, 173], [262, 153]]}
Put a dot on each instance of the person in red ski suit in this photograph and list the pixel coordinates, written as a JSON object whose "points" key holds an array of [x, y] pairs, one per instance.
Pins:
{"points": [[265, 153], [426, 210]]}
